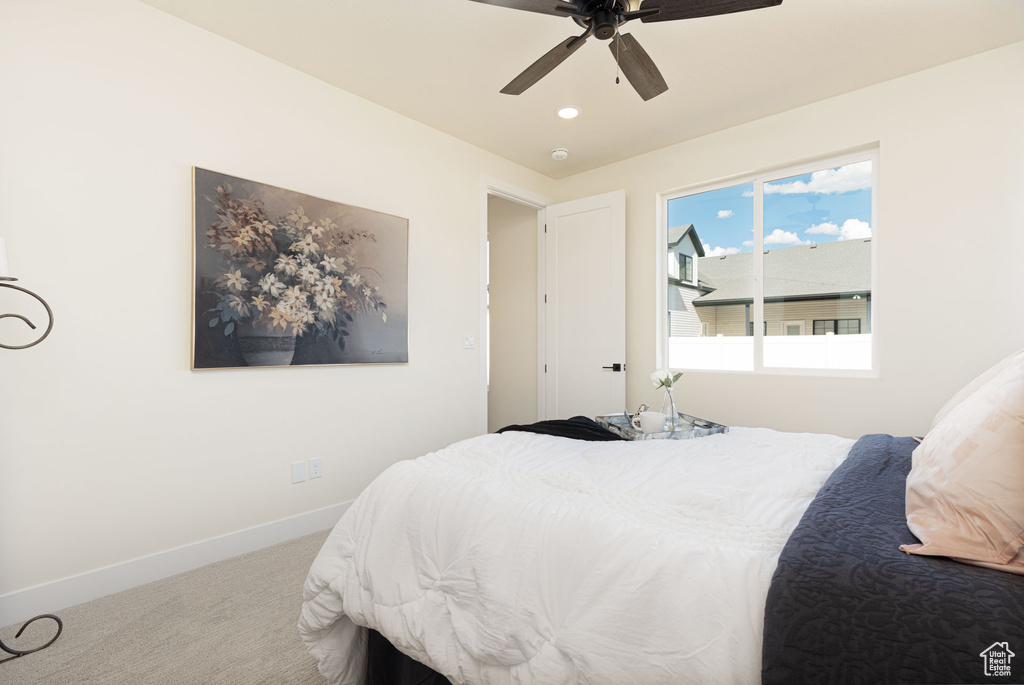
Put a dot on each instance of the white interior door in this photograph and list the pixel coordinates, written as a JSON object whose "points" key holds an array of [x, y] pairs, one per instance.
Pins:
{"points": [[585, 308]]}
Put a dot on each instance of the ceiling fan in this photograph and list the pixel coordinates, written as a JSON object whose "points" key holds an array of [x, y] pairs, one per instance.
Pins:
{"points": [[602, 19]]}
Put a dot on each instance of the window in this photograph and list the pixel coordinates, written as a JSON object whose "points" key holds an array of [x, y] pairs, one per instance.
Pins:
{"points": [[837, 326], [685, 267], [792, 327], [792, 248]]}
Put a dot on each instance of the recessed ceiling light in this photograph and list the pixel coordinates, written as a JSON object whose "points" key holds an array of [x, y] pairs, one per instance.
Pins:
{"points": [[569, 112], [559, 154]]}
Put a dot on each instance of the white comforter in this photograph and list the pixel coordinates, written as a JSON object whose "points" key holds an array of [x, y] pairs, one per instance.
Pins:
{"points": [[522, 558]]}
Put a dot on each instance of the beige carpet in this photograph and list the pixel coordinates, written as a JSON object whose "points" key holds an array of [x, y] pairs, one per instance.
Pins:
{"points": [[233, 622]]}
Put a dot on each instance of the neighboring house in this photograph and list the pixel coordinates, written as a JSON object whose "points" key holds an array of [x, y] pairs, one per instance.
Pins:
{"points": [[684, 253], [808, 289]]}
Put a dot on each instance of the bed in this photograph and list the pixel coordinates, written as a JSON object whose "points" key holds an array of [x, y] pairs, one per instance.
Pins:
{"points": [[753, 556]]}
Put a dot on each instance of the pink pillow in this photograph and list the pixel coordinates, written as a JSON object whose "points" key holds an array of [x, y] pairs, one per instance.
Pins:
{"points": [[973, 386], [965, 492]]}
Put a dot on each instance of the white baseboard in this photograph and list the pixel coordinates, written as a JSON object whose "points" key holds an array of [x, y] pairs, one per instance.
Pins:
{"points": [[22, 605]]}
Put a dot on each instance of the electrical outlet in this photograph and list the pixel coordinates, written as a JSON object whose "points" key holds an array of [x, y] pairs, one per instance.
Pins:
{"points": [[316, 467], [468, 342], [298, 471]]}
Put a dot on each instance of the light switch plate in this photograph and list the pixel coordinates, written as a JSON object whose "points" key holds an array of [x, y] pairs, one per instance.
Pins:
{"points": [[298, 471]]}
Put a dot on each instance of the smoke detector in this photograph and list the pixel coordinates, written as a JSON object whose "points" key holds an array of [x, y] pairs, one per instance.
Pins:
{"points": [[559, 154]]}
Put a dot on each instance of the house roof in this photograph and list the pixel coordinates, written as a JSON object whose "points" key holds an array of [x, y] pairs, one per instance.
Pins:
{"points": [[842, 267], [677, 233]]}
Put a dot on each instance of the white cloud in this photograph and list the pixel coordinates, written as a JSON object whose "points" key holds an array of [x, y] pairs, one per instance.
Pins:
{"points": [[748, 243], [852, 229], [780, 237], [719, 251], [827, 228], [828, 181], [724, 213]]}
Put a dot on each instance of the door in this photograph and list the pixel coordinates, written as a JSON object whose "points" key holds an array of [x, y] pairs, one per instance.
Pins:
{"points": [[585, 307]]}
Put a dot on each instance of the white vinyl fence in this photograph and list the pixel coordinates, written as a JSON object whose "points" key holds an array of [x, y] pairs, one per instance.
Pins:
{"points": [[736, 353]]}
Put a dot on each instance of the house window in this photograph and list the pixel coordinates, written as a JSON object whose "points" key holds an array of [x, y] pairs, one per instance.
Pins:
{"points": [[685, 267], [837, 326], [788, 248], [792, 327]]}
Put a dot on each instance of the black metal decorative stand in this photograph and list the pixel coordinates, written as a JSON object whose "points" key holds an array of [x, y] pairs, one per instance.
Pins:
{"points": [[5, 282], [22, 652]]}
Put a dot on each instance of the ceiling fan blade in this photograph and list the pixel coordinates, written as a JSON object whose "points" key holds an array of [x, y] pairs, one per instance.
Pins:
{"points": [[691, 9], [638, 66], [542, 67], [542, 6]]}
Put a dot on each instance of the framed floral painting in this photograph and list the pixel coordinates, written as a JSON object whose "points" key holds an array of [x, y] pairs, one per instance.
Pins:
{"points": [[286, 279]]}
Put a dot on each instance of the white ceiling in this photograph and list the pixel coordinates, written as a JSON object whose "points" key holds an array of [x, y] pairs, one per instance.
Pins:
{"points": [[442, 62]]}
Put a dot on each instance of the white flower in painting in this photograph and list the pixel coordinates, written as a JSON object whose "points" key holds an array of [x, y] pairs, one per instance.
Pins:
{"points": [[298, 216], [331, 286], [287, 264], [271, 284], [293, 297], [330, 264], [309, 274], [307, 245], [325, 302], [354, 280], [234, 279]]}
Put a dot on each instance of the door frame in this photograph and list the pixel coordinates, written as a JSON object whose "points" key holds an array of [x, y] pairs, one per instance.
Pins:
{"points": [[492, 186]]}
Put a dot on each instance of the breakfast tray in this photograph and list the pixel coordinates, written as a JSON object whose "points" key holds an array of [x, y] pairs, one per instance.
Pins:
{"points": [[689, 427]]}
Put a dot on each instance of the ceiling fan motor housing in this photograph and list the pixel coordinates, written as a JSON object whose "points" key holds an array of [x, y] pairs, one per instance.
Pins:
{"points": [[605, 24]]}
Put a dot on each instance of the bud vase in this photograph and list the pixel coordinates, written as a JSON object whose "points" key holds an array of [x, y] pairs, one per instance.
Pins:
{"points": [[668, 408]]}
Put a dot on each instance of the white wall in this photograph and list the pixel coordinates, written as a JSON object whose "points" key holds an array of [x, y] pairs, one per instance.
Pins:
{"points": [[110, 447], [951, 241], [512, 391]]}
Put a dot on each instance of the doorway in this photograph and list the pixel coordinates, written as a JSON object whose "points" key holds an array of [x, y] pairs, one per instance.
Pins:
{"points": [[512, 313]]}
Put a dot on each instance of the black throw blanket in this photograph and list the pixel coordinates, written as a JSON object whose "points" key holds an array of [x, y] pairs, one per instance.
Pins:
{"points": [[577, 428], [846, 606], [385, 665]]}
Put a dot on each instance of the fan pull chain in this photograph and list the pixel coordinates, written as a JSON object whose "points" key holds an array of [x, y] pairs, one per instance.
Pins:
{"points": [[617, 41]]}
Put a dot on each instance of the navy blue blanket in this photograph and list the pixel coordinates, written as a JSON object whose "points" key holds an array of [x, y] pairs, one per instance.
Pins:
{"points": [[847, 606]]}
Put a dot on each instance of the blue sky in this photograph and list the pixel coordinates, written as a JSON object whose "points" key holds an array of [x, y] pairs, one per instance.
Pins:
{"points": [[818, 207]]}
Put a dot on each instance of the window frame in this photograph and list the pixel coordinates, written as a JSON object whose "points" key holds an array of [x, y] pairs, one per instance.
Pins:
{"points": [[835, 326], [758, 179]]}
